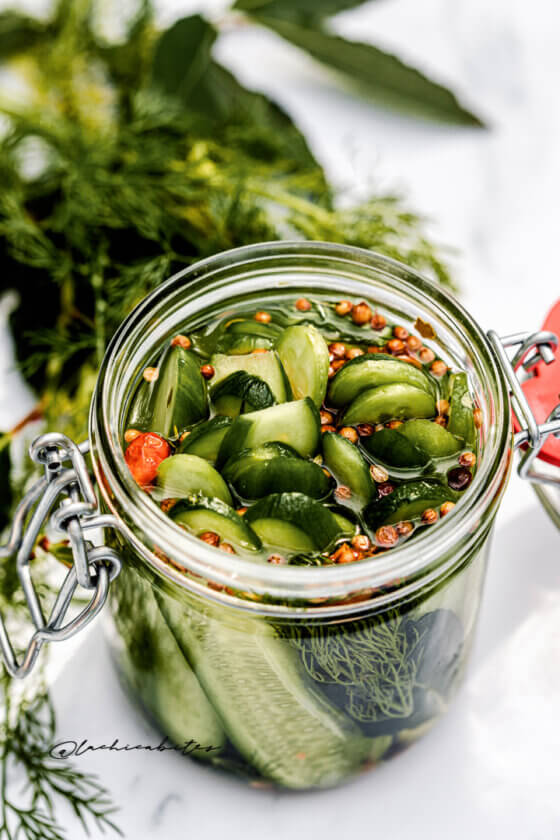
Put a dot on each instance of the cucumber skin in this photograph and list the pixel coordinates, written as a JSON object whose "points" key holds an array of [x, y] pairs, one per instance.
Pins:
{"points": [[389, 402], [299, 740], [385, 511], [461, 420], [196, 503], [303, 350], [394, 450], [348, 466], [310, 516], [188, 391], [247, 387], [198, 442], [434, 440], [370, 371], [266, 366], [190, 474], [255, 473]]}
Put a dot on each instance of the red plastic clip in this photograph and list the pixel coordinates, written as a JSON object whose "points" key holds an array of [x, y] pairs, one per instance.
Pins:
{"points": [[543, 389]]}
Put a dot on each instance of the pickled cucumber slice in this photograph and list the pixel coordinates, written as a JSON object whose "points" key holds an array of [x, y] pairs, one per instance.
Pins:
{"points": [[461, 422], [264, 365], [370, 371], [407, 501], [157, 672], [199, 514], [178, 396], [241, 391], [394, 450], [277, 722], [140, 412], [183, 475], [315, 523], [305, 357], [296, 423], [389, 402], [431, 438], [275, 468], [344, 461], [206, 439]]}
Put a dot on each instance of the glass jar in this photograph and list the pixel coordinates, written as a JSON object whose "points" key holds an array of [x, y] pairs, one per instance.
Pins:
{"points": [[297, 677]]}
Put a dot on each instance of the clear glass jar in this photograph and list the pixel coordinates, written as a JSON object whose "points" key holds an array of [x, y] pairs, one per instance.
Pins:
{"points": [[294, 676]]}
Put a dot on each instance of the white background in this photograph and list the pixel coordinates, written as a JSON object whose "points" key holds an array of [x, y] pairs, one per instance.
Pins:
{"points": [[491, 768]]}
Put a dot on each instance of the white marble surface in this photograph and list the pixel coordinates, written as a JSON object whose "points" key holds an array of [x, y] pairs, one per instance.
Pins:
{"points": [[491, 768]]}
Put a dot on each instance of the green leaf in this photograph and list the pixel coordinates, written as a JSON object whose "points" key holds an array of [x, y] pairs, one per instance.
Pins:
{"points": [[296, 9], [380, 75], [18, 33], [182, 56]]}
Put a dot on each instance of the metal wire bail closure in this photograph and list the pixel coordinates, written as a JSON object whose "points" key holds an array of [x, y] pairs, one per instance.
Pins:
{"points": [[67, 485], [531, 349]]}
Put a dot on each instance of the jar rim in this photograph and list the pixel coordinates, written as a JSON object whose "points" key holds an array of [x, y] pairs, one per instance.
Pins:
{"points": [[405, 567]]}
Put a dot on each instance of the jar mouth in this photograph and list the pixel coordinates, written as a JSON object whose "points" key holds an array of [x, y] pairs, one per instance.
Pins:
{"points": [[270, 268]]}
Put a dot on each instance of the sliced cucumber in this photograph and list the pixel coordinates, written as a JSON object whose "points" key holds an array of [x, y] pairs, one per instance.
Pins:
{"points": [[264, 365], [347, 528], [394, 450], [305, 357], [407, 501], [199, 513], [283, 536], [241, 391], [206, 439], [178, 396], [157, 672], [183, 475], [461, 422], [370, 371], [431, 438], [315, 522], [140, 412], [296, 423], [389, 402], [344, 461], [242, 344], [278, 723], [275, 468]]}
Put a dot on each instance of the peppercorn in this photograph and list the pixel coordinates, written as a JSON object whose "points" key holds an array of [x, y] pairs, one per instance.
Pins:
{"points": [[263, 317], [361, 313], [331, 372], [441, 420], [343, 492], [378, 321], [459, 478], [467, 459], [394, 424], [150, 374], [426, 355], [386, 536], [337, 349], [410, 359], [404, 529], [413, 343], [225, 546], [400, 332], [446, 508], [349, 433], [303, 305], [276, 559], [379, 475], [181, 341], [209, 537], [438, 368], [379, 427], [343, 307], [326, 417], [241, 511], [365, 429], [131, 434], [429, 516], [478, 417], [328, 428], [337, 364], [353, 353], [395, 346], [361, 542], [207, 371], [374, 348], [167, 504], [442, 406], [385, 489]]}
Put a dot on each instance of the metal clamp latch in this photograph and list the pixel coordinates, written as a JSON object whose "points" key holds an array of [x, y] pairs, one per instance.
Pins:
{"points": [[76, 514], [530, 349]]}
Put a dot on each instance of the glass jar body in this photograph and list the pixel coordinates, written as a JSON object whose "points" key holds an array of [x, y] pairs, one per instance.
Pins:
{"points": [[298, 677]]}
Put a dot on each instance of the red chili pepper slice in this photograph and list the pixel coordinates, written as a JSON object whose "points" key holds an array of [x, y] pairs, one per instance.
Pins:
{"points": [[144, 455]]}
